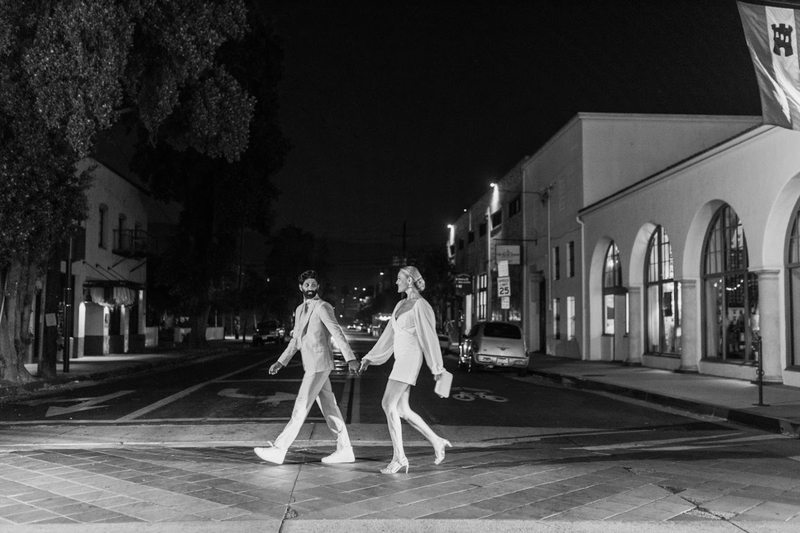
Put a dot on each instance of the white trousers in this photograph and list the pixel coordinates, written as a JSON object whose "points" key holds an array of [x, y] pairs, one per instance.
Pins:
{"points": [[315, 387]]}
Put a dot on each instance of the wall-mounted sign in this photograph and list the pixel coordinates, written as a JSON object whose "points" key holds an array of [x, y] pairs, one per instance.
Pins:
{"points": [[502, 269], [463, 283], [507, 252]]}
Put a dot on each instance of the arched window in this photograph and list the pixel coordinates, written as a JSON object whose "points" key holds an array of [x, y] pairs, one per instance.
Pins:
{"points": [[793, 274], [612, 285], [663, 297], [731, 292]]}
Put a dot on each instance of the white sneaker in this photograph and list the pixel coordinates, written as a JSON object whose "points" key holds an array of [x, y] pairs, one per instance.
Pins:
{"points": [[271, 454], [345, 455]]}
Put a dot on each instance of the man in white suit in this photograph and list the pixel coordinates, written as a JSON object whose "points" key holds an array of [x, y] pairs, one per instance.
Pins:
{"points": [[314, 325]]}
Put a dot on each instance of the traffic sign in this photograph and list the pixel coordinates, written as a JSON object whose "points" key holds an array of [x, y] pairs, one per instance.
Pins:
{"points": [[504, 286]]}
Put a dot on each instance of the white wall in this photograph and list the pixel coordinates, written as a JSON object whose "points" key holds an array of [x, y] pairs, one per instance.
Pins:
{"points": [[620, 150]]}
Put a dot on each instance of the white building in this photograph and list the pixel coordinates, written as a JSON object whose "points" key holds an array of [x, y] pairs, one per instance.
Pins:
{"points": [[670, 241], [110, 279]]}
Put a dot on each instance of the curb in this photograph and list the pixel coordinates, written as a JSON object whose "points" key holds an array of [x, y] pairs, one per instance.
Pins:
{"points": [[52, 384], [747, 418]]}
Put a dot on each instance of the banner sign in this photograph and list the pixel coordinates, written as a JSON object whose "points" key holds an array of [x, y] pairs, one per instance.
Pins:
{"points": [[771, 34]]}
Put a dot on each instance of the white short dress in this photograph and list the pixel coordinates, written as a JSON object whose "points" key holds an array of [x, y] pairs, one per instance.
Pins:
{"points": [[410, 337]]}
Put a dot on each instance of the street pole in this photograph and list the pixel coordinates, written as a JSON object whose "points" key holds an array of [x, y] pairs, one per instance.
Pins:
{"points": [[760, 373], [68, 301]]}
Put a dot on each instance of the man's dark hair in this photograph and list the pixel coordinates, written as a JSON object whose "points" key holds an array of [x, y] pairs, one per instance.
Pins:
{"points": [[308, 274]]}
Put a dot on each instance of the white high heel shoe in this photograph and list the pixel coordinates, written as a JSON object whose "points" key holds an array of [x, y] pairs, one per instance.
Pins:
{"points": [[440, 451], [395, 466]]}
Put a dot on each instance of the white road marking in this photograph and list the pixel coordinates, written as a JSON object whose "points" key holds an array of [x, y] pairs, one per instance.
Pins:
{"points": [[355, 415], [178, 395], [154, 421], [273, 399], [343, 405], [84, 405], [708, 441]]}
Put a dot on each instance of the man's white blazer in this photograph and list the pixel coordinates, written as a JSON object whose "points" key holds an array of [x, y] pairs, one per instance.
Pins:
{"points": [[313, 329]]}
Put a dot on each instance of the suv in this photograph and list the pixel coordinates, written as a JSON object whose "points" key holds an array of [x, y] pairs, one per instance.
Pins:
{"points": [[494, 345], [268, 331]]}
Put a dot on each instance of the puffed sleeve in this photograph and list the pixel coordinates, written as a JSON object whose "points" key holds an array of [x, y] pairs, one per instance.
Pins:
{"points": [[426, 334], [384, 348]]}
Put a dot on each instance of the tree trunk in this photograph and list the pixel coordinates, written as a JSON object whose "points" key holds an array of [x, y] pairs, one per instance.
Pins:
{"points": [[197, 338], [15, 330]]}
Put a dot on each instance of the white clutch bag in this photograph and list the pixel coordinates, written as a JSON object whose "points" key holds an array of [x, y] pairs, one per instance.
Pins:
{"points": [[443, 385]]}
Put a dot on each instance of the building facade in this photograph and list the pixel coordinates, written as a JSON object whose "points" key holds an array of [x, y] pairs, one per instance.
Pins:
{"points": [[708, 254], [110, 278], [668, 241]]}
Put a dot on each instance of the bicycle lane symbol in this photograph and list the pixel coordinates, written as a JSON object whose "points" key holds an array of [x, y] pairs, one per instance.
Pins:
{"points": [[466, 394]]}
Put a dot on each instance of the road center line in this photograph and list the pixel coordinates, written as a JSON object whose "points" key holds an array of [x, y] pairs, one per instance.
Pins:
{"points": [[355, 414], [345, 398], [178, 395]]}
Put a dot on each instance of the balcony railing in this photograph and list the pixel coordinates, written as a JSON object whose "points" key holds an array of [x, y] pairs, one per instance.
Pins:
{"points": [[130, 242]]}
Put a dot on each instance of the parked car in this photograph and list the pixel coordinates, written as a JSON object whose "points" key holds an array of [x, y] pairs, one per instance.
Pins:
{"points": [[269, 331], [445, 344], [494, 345]]}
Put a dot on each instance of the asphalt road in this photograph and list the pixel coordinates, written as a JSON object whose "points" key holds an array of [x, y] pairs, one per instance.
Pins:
{"points": [[238, 387]]}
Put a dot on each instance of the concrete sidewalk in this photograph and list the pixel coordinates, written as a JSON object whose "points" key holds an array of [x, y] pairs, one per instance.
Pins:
{"points": [[730, 399]]}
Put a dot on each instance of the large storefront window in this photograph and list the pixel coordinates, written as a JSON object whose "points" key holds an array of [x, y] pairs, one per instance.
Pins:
{"points": [[731, 292], [663, 297], [612, 285], [482, 291], [793, 271]]}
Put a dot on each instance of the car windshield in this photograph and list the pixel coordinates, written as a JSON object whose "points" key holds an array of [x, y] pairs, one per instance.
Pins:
{"points": [[269, 324], [503, 331]]}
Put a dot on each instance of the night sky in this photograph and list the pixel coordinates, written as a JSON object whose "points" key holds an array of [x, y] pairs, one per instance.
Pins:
{"points": [[404, 112]]}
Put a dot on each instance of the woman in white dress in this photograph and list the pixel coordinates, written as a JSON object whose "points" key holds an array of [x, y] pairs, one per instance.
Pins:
{"points": [[410, 336]]}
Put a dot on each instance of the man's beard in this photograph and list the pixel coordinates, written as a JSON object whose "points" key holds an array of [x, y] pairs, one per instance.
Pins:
{"points": [[309, 294]]}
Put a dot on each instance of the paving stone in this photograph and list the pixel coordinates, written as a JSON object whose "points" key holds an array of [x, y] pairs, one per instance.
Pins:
{"points": [[774, 511]]}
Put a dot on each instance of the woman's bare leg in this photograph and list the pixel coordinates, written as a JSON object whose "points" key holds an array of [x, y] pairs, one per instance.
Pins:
{"points": [[391, 406], [416, 421]]}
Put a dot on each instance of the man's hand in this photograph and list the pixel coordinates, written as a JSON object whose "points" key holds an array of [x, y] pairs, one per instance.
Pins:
{"points": [[354, 366], [274, 368]]}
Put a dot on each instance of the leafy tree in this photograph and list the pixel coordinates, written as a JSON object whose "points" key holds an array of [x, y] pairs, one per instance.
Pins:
{"points": [[293, 251], [69, 70], [220, 198]]}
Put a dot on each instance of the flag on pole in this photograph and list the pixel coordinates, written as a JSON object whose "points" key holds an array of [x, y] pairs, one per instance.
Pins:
{"points": [[771, 32]]}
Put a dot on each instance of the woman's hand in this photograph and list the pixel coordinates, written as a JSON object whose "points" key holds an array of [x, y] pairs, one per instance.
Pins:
{"points": [[437, 377], [364, 365]]}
